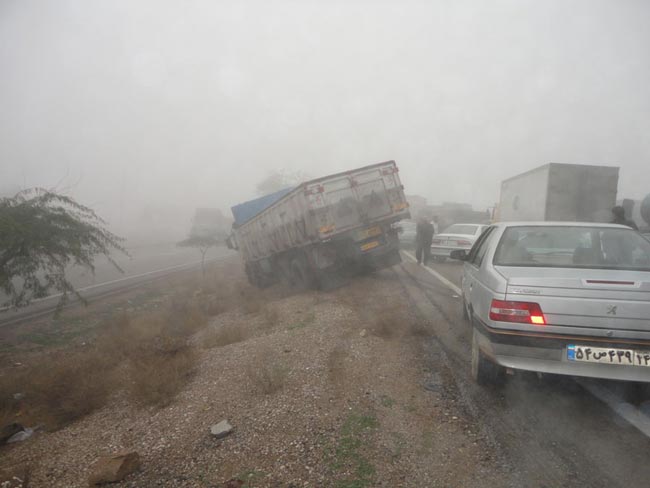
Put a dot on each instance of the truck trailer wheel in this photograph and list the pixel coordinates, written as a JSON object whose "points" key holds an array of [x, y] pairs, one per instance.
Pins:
{"points": [[256, 277], [301, 275]]}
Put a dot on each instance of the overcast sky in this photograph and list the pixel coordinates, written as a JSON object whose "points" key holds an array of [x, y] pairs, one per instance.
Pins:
{"points": [[134, 104]]}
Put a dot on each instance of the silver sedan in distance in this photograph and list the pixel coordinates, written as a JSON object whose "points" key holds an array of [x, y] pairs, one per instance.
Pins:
{"points": [[560, 298], [455, 237]]}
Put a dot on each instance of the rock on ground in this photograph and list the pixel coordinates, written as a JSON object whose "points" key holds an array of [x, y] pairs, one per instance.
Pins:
{"points": [[109, 469], [222, 429]]}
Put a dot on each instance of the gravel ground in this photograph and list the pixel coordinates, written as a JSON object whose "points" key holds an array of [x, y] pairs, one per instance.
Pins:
{"points": [[360, 401]]}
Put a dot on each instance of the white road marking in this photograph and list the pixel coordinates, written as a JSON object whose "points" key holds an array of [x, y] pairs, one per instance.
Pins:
{"points": [[437, 275]]}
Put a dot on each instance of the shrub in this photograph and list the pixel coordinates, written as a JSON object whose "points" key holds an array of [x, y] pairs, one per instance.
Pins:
{"points": [[160, 371], [223, 336], [266, 373]]}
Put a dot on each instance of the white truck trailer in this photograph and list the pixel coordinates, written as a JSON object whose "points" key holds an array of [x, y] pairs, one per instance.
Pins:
{"points": [[560, 192], [313, 234]]}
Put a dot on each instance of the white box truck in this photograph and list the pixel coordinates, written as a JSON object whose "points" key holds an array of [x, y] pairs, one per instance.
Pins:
{"points": [[560, 192]]}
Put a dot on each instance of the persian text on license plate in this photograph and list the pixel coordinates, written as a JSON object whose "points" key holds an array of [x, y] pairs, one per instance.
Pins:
{"points": [[369, 245], [608, 355], [369, 232]]}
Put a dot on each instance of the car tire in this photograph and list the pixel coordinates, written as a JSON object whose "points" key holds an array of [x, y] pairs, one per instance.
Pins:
{"points": [[484, 371]]}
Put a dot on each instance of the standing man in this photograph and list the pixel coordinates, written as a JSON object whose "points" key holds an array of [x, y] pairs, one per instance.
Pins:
{"points": [[423, 237], [619, 218]]}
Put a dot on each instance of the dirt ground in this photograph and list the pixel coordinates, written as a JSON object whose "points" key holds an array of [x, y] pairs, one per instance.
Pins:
{"points": [[338, 389]]}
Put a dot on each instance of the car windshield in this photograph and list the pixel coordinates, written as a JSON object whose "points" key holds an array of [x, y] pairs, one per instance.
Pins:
{"points": [[574, 247], [462, 229]]}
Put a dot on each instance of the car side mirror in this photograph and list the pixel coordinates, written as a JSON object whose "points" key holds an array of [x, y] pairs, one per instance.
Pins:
{"points": [[459, 254]]}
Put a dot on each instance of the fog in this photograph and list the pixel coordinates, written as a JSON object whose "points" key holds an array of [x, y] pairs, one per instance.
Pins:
{"points": [[146, 110]]}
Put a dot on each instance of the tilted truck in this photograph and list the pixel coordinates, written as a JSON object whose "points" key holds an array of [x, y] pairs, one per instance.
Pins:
{"points": [[323, 229], [560, 192]]}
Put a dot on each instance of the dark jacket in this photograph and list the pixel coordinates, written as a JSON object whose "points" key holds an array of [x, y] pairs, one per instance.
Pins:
{"points": [[424, 233]]}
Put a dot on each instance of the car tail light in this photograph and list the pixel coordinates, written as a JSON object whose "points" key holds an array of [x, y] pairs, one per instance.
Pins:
{"points": [[436, 241], [463, 243], [520, 312]]}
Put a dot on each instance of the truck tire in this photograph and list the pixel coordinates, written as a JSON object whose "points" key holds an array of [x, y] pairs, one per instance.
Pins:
{"points": [[301, 275], [249, 274], [256, 277], [484, 371]]}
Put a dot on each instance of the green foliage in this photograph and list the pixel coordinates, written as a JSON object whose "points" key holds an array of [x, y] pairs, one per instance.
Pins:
{"points": [[41, 234], [348, 453], [203, 243]]}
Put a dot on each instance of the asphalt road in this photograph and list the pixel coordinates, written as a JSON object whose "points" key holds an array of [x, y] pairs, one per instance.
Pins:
{"points": [[143, 264], [548, 432]]}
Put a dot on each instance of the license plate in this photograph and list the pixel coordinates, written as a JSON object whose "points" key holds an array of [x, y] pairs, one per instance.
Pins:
{"points": [[369, 245], [369, 232], [608, 355]]}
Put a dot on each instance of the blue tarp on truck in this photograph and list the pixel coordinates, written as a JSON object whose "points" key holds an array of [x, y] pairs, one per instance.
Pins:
{"points": [[247, 210]]}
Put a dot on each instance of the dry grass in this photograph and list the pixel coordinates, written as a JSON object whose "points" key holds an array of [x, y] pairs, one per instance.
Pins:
{"points": [[224, 335], [271, 315], [214, 306], [61, 390], [249, 298], [160, 371], [151, 348], [267, 373], [184, 318]]}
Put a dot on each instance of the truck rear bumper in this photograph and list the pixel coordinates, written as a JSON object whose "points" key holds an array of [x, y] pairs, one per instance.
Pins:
{"points": [[384, 256]]}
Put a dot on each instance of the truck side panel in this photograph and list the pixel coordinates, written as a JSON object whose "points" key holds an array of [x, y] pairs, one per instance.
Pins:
{"points": [[523, 197], [581, 193]]}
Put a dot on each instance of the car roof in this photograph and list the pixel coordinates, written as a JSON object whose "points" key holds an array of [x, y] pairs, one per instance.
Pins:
{"points": [[537, 223]]}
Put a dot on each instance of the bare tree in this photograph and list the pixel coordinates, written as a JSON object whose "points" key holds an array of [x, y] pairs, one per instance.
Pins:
{"points": [[202, 243]]}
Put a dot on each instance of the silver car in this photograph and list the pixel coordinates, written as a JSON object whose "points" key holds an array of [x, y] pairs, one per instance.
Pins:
{"points": [[454, 237], [407, 232], [561, 298]]}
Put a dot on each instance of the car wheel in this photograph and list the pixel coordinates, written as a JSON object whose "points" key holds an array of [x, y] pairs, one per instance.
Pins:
{"points": [[484, 371]]}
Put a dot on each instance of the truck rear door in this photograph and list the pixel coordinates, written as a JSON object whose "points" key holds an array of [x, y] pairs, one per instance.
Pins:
{"points": [[357, 198]]}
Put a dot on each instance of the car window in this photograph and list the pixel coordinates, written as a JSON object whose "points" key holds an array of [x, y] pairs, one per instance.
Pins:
{"points": [[580, 246], [480, 248], [461, 229]]}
